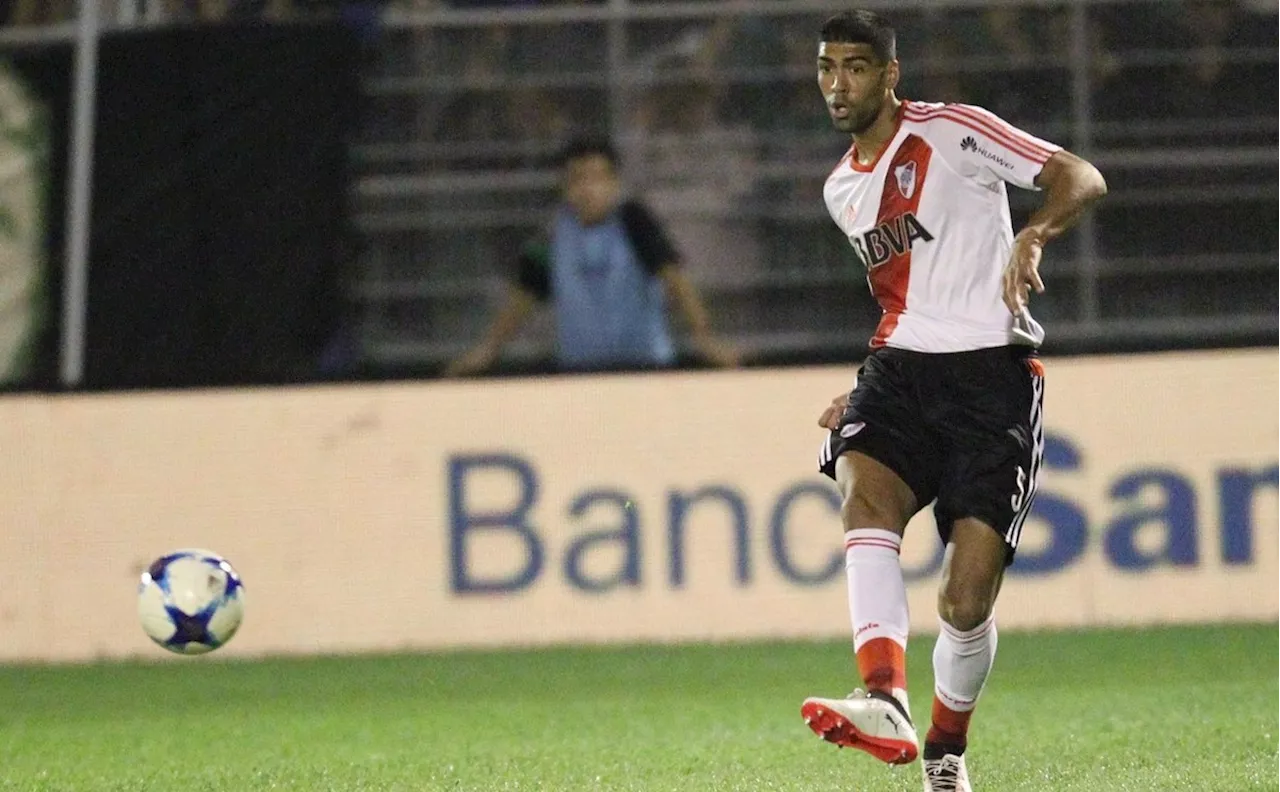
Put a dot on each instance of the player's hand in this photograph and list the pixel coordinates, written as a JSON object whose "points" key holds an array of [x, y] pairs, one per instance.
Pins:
{"points": [[1023, 271], [831, 416], [473, 362]]}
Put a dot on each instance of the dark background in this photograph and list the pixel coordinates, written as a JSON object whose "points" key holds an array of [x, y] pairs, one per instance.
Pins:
{"points": [[219, 222]]}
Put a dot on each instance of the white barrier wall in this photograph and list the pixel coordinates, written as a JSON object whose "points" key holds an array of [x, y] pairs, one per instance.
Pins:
{"points": [[487, 514]]}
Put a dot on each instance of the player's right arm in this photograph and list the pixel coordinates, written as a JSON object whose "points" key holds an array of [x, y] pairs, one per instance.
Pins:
{"points": [[532, 284], [830, 418]]}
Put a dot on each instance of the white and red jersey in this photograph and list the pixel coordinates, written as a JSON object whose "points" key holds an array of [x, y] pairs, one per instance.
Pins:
{"points": [[930, 221]]}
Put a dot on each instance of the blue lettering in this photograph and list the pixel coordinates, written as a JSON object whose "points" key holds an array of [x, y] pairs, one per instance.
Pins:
{"points": [[678, 506], [778, 535], [1177, 513], [1060, 453], [514, 519], [1154, 523], [1236, 488], [627, 536]]}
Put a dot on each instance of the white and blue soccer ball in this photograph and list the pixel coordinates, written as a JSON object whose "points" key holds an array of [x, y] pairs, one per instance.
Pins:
{"points": [[190, 601]]}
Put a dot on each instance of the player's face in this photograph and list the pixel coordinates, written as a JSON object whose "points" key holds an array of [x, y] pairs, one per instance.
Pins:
{"points": [[854, 83], [591, 188]]}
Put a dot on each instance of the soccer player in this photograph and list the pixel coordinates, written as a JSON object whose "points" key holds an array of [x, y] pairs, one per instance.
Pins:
{"points": [[608, 270], [948, 407]]}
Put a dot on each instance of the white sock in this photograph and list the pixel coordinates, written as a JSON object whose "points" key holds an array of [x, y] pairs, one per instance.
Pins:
{"points": [[877, 598], [961, 662]]}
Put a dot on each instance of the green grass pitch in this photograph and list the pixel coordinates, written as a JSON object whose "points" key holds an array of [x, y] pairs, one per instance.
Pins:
{"points": [[1172, 709]]}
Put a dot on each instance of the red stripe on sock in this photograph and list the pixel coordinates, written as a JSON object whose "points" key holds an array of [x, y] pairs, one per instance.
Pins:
{"points": [[949, 727], [894, 546], [882, 663], [960, 637]]}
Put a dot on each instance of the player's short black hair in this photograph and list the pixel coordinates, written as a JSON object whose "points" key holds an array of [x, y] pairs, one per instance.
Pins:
{"points": [[586, 147], [862, 27]]}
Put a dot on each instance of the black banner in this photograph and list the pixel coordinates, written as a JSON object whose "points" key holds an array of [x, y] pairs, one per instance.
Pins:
{"points": [[219, 225]]}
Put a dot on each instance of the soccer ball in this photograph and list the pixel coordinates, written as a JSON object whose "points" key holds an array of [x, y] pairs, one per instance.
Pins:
{"points": [[190, 601]]}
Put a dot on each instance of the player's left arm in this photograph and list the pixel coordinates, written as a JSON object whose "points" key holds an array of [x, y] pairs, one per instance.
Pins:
{"points": [[659, 256], [1070, 185], [689, 303]]}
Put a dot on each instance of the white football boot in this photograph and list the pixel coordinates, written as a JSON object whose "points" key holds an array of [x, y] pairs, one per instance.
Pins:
{"points": [[874, 722], [947, 774]]}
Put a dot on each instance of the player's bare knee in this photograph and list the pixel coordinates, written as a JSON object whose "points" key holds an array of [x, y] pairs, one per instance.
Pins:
{"points": [[863, 507], [964, 607]]}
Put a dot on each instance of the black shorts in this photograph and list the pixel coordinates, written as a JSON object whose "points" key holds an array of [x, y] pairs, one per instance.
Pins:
{"points": [[964, 429]]}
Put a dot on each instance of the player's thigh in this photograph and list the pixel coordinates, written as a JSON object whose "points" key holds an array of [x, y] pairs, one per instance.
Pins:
{"points": [[995, 433], [873, 495], [884, 424]]}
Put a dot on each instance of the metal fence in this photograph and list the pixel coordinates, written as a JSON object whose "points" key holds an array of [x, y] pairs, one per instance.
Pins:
{"points": [[714, 107]]}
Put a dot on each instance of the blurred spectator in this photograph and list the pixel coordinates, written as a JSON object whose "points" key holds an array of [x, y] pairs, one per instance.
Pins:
{"points": [[497, 116], [745, 48], [1203, 79], [692, 143], [1010, 60], [485, 123], [698, 172], [607, 269], [1209, 83], [556, 51], [486, 110], [36, 12]]}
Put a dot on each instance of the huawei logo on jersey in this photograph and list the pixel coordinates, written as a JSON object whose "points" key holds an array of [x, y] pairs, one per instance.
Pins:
{"points": [[891, 238], [969, 144]]}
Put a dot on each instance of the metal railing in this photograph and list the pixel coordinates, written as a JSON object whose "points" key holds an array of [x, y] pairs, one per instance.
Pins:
{"points": [[442, 205], [713, 107]]}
